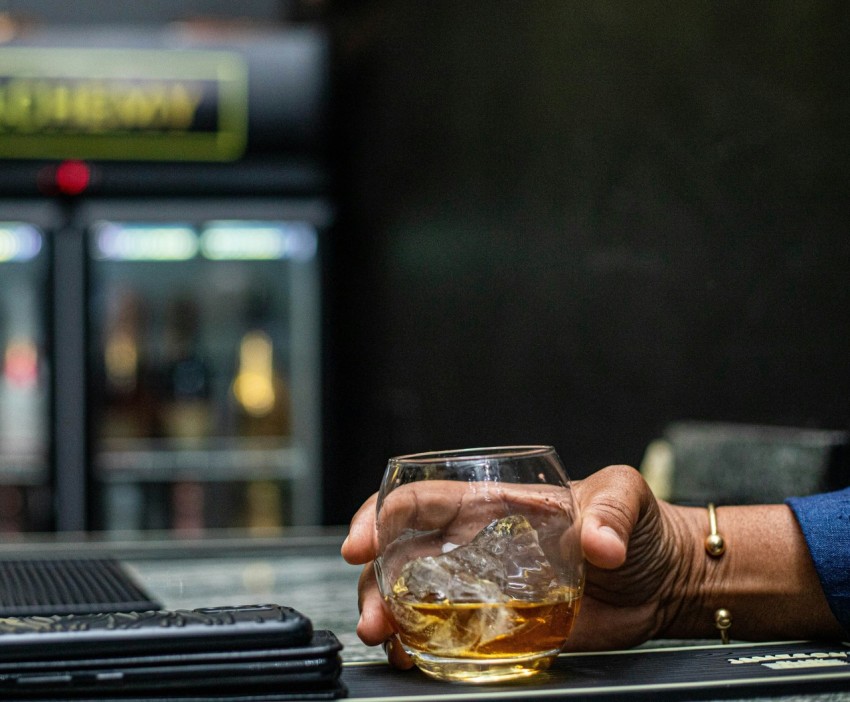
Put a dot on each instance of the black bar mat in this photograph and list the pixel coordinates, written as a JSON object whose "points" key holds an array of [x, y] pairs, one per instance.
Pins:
{"points": [[692, 673], [330, 694], [32, 587]]}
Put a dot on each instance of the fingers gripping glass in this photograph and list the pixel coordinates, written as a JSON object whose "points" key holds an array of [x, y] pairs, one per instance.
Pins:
{"points": [[479, 560]]}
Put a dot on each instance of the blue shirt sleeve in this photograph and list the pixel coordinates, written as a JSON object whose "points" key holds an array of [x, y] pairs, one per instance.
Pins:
{"points": [[825, 522]]}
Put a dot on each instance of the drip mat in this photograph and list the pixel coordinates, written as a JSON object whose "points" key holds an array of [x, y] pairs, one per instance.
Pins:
{"points": [[693, 672], [46, 586]]}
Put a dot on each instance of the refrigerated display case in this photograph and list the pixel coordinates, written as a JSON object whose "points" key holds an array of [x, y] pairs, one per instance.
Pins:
{"points": [[204, 348], [25, 445]]}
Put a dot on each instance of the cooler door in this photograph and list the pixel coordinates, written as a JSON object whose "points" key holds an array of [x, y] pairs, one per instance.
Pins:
{"points": [[25, 370], [204, 357]]}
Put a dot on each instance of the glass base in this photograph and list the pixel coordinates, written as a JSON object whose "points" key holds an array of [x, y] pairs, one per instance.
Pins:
{"points": [[482, 670]]}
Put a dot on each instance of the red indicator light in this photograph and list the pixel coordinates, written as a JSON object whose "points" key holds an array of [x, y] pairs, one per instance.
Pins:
{"points": [[72, 177]]}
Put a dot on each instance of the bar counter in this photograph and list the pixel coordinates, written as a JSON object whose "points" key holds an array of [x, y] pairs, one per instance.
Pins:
{"points": [[303, 569]]}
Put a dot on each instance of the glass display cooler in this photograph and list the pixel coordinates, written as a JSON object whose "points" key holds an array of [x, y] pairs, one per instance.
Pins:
{"points": [[204, 359], [25, 370]]}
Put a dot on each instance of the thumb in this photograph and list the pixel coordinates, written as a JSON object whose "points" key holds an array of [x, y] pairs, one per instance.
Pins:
{"points": [[610, 500]]}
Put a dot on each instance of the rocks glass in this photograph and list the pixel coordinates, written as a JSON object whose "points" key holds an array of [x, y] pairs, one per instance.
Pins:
{"points": [[479, 560]]}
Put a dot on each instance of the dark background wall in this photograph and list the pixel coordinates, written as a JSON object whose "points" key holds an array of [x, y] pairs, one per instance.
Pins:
{"points": [[574, 222]]}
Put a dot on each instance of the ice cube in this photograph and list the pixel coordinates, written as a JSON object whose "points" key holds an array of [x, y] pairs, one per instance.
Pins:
{"points": [[448, 578], [503, 561], [527, 573]]}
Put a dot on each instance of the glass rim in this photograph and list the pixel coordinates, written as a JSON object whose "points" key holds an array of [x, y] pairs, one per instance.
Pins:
{"points": [[475, 454]]}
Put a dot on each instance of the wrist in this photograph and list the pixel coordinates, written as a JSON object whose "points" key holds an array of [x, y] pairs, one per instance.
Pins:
{"points": [[694, 578], [765, 577]]}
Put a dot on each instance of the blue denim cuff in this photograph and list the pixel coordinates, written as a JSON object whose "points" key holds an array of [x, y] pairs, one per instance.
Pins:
{"points": [[825, 522]]}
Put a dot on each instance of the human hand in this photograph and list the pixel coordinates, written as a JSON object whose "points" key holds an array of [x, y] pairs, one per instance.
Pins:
{"points": [[361, 548], [639, 553], [636, 565]]}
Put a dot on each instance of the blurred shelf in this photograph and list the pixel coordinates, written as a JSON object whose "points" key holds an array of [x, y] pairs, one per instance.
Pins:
{"points": [[22, 469], [206, 460]]}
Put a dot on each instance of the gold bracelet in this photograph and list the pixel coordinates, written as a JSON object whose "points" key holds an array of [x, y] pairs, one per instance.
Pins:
{"points": [[714, 543], [715, 546], [723, 622]]}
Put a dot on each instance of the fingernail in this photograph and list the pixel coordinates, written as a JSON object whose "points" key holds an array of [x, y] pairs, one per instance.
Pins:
{"points": [[608, 530]]}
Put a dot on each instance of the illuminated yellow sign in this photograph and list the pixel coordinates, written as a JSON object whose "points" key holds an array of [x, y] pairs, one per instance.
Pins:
{"points": [[122, 104]]}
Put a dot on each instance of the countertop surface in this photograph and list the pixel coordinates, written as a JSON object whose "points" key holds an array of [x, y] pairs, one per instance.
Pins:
{"points": [[303, 570]]}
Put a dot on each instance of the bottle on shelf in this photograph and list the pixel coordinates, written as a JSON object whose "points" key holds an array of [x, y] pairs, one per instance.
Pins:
{"points": [[185, 406], [263, 507], [259, 389], [11, 509], [129, 409], [186, 412], [261, 399], [128, 417]]}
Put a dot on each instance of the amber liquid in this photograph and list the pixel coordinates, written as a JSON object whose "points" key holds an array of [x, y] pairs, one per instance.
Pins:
{"points": [[475, 630]]}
